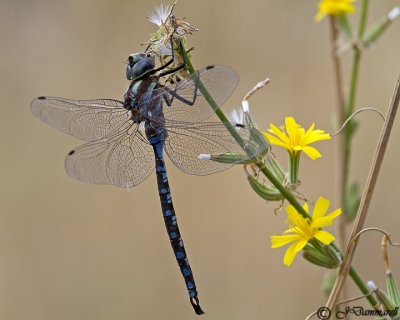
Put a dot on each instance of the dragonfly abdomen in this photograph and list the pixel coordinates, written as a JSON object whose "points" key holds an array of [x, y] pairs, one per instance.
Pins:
{"points": [[171, 225]]}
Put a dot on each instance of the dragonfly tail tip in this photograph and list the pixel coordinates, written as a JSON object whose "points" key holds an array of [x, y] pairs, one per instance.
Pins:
{"points": [[196, 305]]}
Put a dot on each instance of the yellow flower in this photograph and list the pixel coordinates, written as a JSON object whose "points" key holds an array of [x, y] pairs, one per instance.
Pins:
{"points": [[334, 8], [296, 139], [302, 229]]}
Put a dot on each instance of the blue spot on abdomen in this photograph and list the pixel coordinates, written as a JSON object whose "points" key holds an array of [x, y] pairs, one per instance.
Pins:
{"points": [[190, 285]]}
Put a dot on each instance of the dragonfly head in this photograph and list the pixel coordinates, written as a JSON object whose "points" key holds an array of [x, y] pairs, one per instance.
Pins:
{"points": [[139, 64]]}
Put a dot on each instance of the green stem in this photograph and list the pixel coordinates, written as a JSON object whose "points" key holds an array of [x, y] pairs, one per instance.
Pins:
{"points": [[352, 95], [268, 174], [349, 110], [357, 280], [363, 18], [361, 285], [294, 160], [213, 104]]}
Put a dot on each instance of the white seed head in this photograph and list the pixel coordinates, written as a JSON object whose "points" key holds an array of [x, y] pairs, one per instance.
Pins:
{"points": [[394, 13], [236, 116], [204, 156], [160, 14], [245, 105], [169, 25], [372, 285]]}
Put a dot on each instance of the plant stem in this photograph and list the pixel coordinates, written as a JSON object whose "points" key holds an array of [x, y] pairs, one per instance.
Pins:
{"points": [[363, 18], [294, 160], [285, 193], [340, 160], [348, 133], [367, 195], [361, 285], [352, 95], [340, 186], [212, 103]]}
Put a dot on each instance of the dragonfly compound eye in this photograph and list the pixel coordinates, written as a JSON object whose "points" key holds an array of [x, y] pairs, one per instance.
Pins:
{"points": [[140, 68]]}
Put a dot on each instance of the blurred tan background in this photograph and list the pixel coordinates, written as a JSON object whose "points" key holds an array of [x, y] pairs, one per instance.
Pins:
{"points": [[70, 250]]}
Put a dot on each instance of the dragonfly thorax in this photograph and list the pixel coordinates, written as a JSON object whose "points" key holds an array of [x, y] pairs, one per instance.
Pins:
{"points": [[137, 95]]}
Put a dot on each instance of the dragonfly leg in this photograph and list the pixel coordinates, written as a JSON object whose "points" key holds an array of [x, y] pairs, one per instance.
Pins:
{"points": [[171, 60], [177, 96]]}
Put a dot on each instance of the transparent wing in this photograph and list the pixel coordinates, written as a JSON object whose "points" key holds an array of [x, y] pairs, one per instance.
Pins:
{"points": [[84, 119], [184, 145], [123, 159], [187, 102]]}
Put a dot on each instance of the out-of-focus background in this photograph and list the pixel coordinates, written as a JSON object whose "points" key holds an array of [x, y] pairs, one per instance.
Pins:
{"points": [[71, 250]]}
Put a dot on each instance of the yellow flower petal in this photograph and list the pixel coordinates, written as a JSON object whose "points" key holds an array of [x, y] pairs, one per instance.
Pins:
{"points": [[321, 207], [314, 137], [324, 237], [295, 139], [275, 140], [334, 7], [279, 241], [301, 244], [319, 16], [293, 216], [334, 214], [279, 133], [301, 229], [311, 152], [291, 125], [322, 222], [290, 254]]}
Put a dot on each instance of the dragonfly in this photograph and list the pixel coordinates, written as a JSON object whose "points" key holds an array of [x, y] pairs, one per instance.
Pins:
{"points": [[125, 137]]}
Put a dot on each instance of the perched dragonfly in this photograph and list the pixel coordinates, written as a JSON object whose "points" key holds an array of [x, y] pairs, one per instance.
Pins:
{"points": [[119, 153]]}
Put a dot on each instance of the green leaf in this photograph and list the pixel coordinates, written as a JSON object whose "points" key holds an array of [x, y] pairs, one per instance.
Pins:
{"points": [[393, 290], [344, 25], [375, 31], [328, 282]]}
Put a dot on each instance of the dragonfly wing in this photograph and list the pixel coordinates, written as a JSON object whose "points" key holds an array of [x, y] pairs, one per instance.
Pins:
{"points": [[188, 104], [123, 159], [84, 119], [184, 144]]}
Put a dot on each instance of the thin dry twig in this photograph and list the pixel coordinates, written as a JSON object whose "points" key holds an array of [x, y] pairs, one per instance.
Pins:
{"points": [[353, 115], [340, 141], [367, 196]]}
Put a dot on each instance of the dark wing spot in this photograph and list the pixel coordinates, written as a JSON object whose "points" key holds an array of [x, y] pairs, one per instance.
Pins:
{"points": [[239, 125], [42, 98], [209, 67], [71, 152]]}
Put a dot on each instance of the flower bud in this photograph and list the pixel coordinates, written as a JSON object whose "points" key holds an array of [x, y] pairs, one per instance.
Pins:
{"points": [[257, 144], [392, 289], [327, 258], [382, 297], [268, 193], [273, 166], [377, 29], [228, 157]]}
